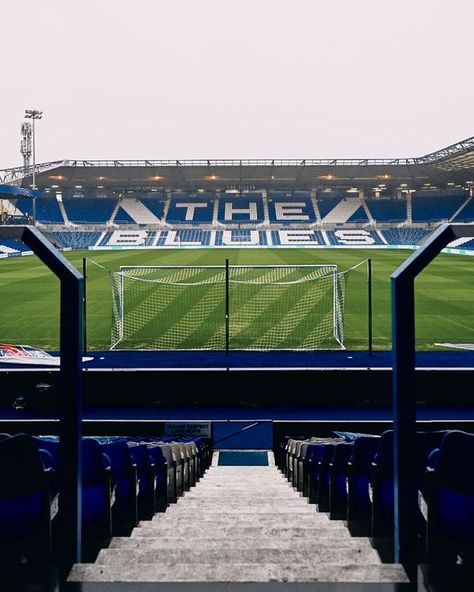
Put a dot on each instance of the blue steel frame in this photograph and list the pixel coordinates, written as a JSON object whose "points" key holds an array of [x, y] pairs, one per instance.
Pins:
{"points": [[71, 336], [403, 388]]}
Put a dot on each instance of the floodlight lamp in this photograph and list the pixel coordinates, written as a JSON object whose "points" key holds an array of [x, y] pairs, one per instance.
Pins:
{"points": [[33, 114]]}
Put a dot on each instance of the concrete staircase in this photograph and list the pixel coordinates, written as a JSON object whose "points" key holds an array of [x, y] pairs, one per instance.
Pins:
{"points": [[240, 524]]}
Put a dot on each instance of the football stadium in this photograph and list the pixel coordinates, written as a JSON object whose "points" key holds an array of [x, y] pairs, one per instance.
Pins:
{"points": [[211, 379]]}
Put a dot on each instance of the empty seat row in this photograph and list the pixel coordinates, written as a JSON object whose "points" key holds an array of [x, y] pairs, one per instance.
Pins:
{"points": [[124, 480], [350, 476]]}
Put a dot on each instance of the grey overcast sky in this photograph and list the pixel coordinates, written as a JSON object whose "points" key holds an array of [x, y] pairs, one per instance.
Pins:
{"points": [[236, 79]]}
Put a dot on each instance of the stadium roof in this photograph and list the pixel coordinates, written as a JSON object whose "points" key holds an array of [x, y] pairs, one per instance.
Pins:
{"points": [[450, 166]]}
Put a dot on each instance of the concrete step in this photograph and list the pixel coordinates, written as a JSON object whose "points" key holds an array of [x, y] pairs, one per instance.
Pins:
{"points": [[218, 507], [244, 487], [273, 480], [321, 554], [229, 496], [250, 519], [224, 493], [211, 542], [243, 529], [298, 535], [222, 469], [237, 572]]}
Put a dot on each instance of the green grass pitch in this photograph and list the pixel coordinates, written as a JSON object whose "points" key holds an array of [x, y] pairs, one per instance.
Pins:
{"points": [[29, 293]]}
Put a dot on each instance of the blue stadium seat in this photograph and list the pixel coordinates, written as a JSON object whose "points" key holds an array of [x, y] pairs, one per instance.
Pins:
{"points": [[97, 490], [338, 468], [27, 506], [147, 479], [449, 488], [382, 478], [314, 456], [125, 481], [280, 453], [359, 506], [161, 476], [171, 463], [324, 476]]}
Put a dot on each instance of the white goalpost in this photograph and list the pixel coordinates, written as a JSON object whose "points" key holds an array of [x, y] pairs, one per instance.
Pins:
{"points": [[239, 307]]}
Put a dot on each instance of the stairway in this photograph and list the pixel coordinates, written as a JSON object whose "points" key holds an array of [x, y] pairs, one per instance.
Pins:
{"points": [[239, 524]]}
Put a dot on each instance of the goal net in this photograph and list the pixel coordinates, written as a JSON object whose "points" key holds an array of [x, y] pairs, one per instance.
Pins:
{"points": [[248, 307]]}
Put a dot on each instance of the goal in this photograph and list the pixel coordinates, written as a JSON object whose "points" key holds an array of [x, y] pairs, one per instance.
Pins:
{"points": [[237, 307]]}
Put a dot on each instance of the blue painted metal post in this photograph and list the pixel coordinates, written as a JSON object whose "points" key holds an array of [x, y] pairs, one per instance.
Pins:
{"points": [[71, 336], [404, 416], [405, 479]]}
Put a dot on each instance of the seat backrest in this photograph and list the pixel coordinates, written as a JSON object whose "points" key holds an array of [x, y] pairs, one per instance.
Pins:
{"points": [[167, 453], [341, 456], [141, 457], [93, 462], [363, 453], [21, 469], [120, 459], [454, 469], [425, 443]]}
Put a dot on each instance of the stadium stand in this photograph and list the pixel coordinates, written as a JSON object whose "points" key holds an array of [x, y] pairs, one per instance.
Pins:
{"points": [[86, 210], [292, 208], [248, 219], [75, 240], [247, 208], [135, 211], [327, 205], [467, 212], [387, 210], [11, 247], [190, 209], [427, 207], [155, 205], [405, 236], [47, 210]]}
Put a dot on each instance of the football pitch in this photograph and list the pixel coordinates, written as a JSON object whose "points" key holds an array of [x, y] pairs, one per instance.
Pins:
{"points": [[29, 293]]}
